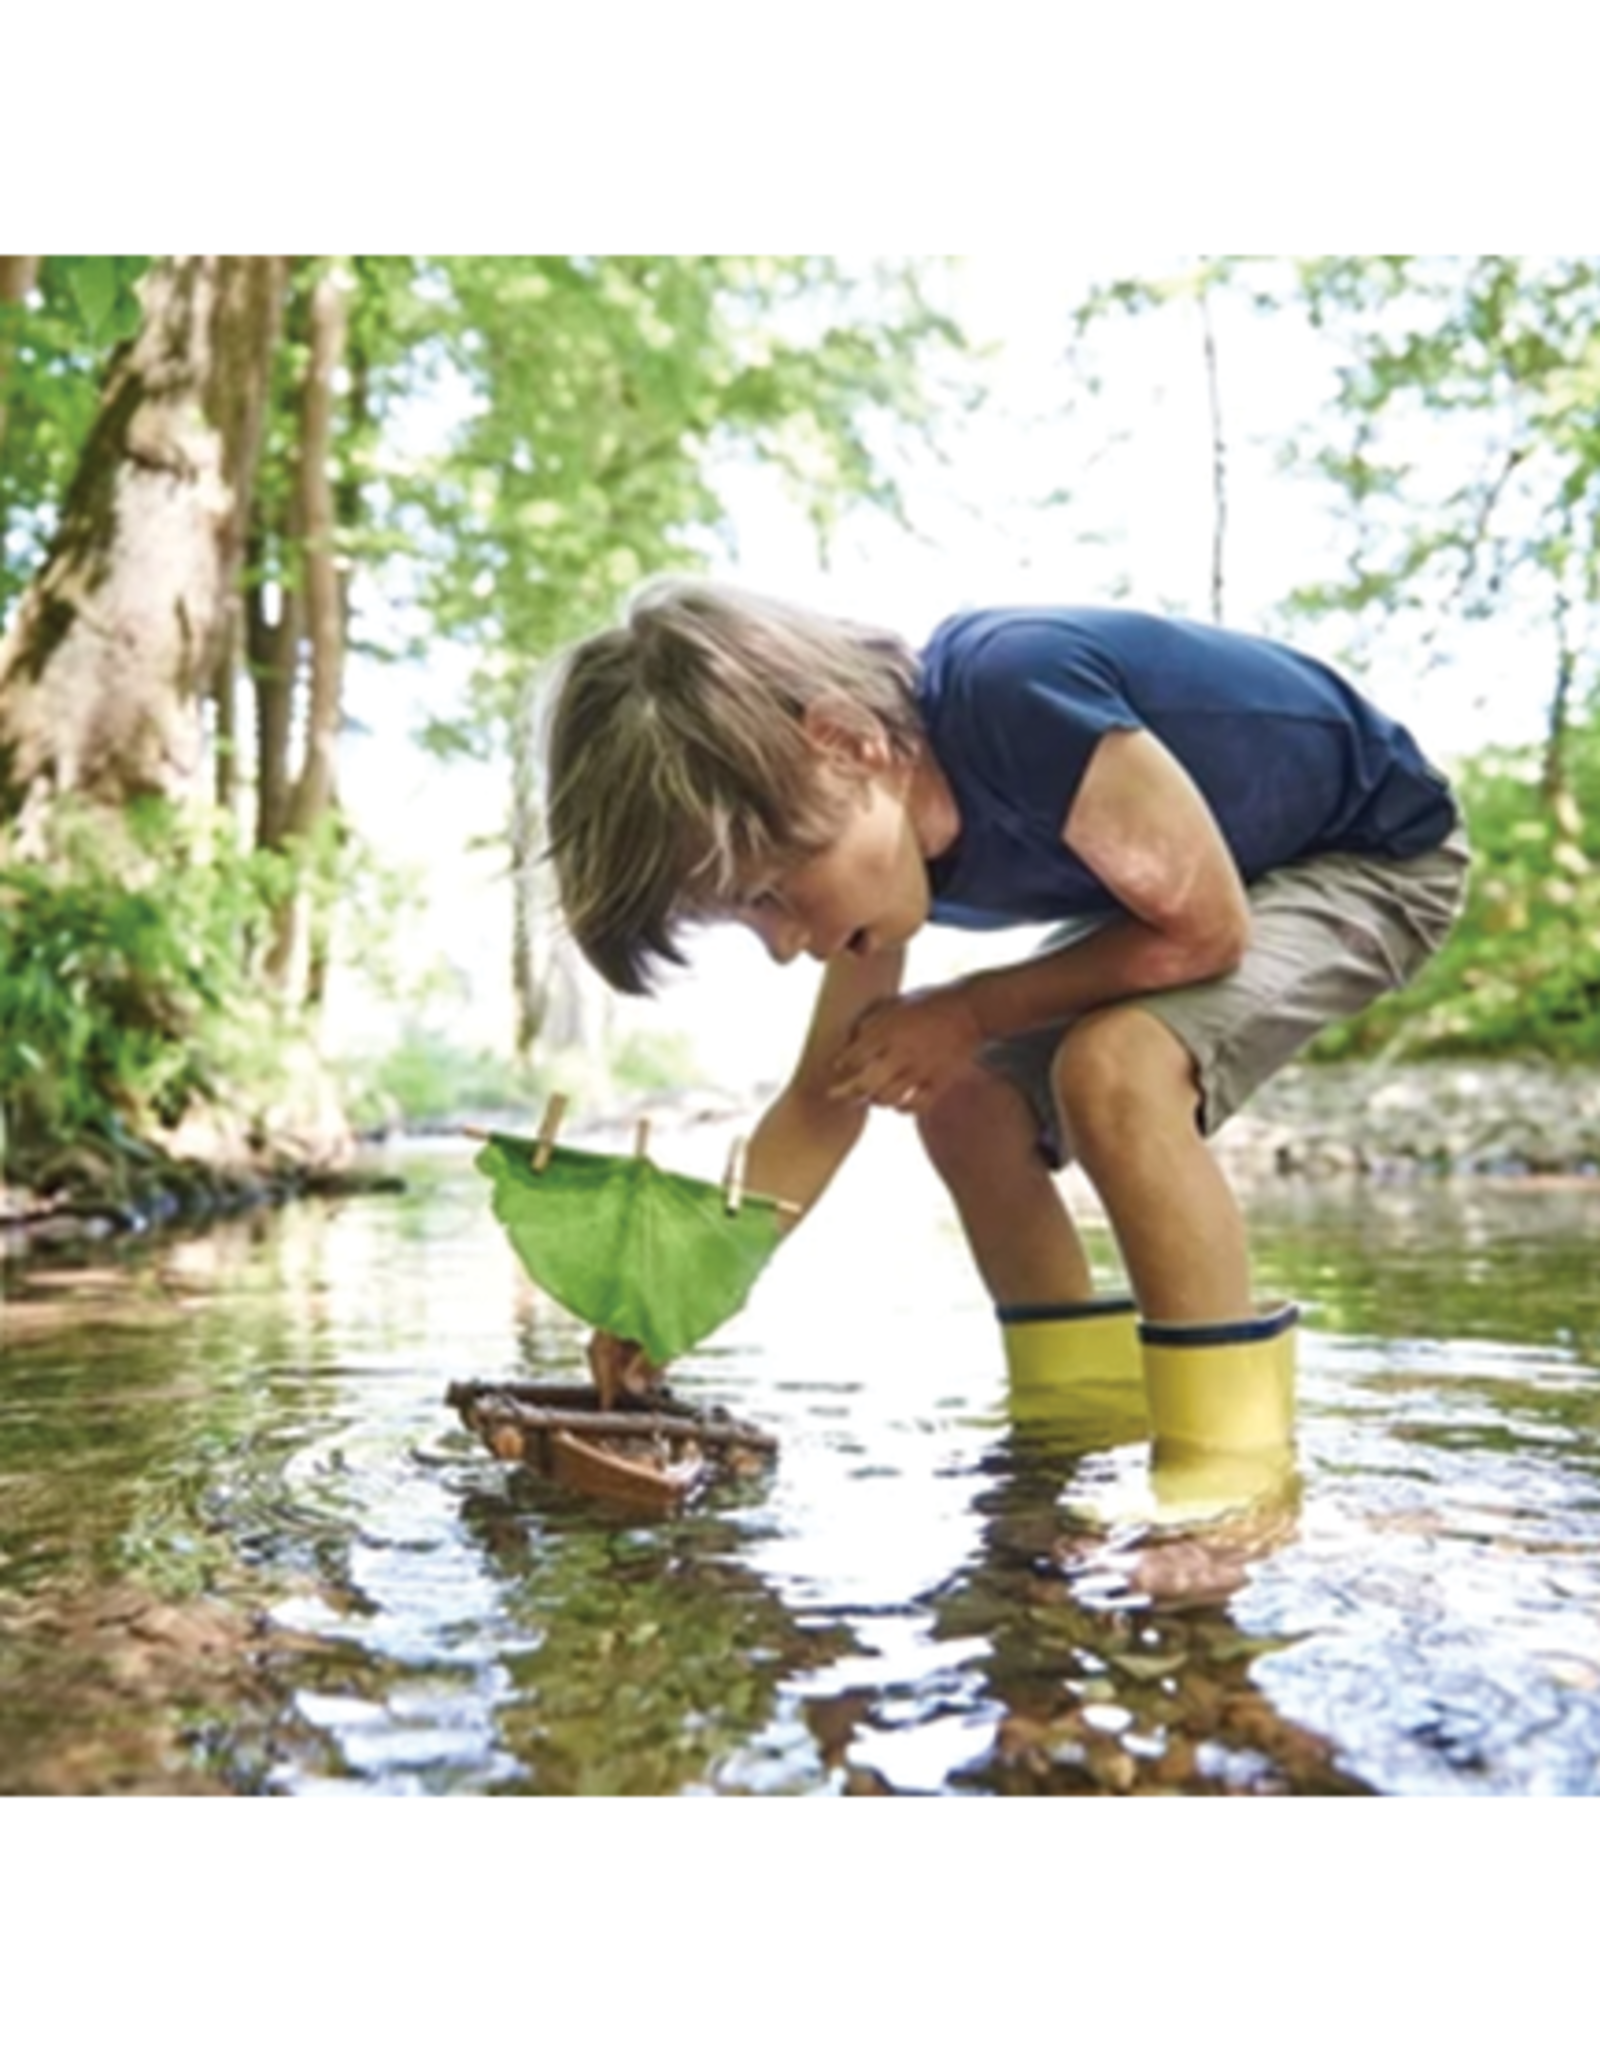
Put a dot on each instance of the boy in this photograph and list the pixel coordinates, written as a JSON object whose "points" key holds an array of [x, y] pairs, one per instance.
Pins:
{"points": [[1234, 845]]}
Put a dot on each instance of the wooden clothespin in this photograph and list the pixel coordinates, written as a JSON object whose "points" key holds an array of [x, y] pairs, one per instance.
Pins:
{"points": [[641, 1138], [555, 1110], [735, 1190], [733, 1179]]}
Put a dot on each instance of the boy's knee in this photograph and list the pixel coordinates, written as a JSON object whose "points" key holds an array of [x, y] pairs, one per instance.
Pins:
{"points": [[1116, 1072], [966, 1122]]}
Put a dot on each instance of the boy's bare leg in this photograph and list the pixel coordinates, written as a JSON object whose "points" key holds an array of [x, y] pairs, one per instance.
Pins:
{"points": [[982, 1138], [1127, 1094]]}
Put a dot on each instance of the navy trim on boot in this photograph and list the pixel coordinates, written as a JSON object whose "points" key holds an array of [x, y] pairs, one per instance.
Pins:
{"points": [[1065, 1311], [1197, 1336]]}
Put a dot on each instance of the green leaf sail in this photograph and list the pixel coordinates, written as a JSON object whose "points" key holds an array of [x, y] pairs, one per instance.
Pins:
{"points": [[648, 1255]]}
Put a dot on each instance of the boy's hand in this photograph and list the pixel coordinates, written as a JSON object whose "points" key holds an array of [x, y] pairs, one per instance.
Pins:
{"points": [[619, 1368], [903, 1053]]}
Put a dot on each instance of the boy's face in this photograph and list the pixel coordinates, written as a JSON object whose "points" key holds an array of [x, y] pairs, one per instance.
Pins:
{"points": [[865, 892]]}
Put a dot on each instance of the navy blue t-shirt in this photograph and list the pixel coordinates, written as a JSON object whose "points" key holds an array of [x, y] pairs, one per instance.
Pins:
{"points": [[1291, 759]]}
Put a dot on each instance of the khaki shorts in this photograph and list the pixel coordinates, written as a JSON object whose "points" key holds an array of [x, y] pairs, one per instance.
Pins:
{"points": [[1328, 937]]}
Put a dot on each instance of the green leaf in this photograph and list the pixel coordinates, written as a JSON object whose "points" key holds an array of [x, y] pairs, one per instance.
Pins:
{"points": [[102, 290], [648, 1255], [94, 285]]}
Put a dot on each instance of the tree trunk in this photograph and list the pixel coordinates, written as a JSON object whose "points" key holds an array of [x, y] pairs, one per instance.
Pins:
{"points": [[272, 654], [225, 715], [1555, 785], [311, 799], [529, 996], [312, 795], [557, 1006], [18, 275], [103, 672]]}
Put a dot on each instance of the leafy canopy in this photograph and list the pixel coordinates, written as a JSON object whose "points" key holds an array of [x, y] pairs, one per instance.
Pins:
{"points": [[569, 416]]}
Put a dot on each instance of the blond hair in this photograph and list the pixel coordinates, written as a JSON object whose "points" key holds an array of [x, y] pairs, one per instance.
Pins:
{"points": [[680, 765]]}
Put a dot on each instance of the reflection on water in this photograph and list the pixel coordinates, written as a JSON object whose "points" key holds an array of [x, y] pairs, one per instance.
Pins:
{"points": [[244, 1544]]}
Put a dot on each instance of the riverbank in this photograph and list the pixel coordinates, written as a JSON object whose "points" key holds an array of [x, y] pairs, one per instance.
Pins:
{"points": [[1486, 1119], [1386, 1122], [86, 1194], [1377, 1120]]}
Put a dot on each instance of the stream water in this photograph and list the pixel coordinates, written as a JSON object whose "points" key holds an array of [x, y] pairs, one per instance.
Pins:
{"points": [[246, 1546]]}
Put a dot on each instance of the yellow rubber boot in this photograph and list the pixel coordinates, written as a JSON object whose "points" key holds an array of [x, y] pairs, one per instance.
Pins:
{"points": [[1074, 1369], [1221, 1399]]}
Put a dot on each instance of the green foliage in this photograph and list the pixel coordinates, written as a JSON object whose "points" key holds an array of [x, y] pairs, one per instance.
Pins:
{"points": [[125, 1000], [55, 355], [1521, 975], [103, 288], [1452, 525], [428, 1077], [651, 1063], [1466, 446], [590, 402], [1462, 447]]}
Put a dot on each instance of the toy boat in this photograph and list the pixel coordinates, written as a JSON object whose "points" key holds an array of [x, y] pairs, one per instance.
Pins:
{"points": [[653, 1453]]}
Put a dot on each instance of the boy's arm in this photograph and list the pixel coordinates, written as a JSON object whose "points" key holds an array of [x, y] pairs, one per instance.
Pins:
{"points": [[1142, 826], [808, 1130], [798, 1145]]}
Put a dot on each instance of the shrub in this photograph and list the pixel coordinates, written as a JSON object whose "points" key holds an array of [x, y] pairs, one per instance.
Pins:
{"points": [[125, 993], [1521, 973]]}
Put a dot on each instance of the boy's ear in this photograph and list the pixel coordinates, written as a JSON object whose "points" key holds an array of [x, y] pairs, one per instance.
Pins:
{"points": [[846, 737]]}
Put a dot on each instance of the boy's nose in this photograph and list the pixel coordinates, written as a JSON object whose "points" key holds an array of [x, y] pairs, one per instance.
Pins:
{"points": [[782, 935]]}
